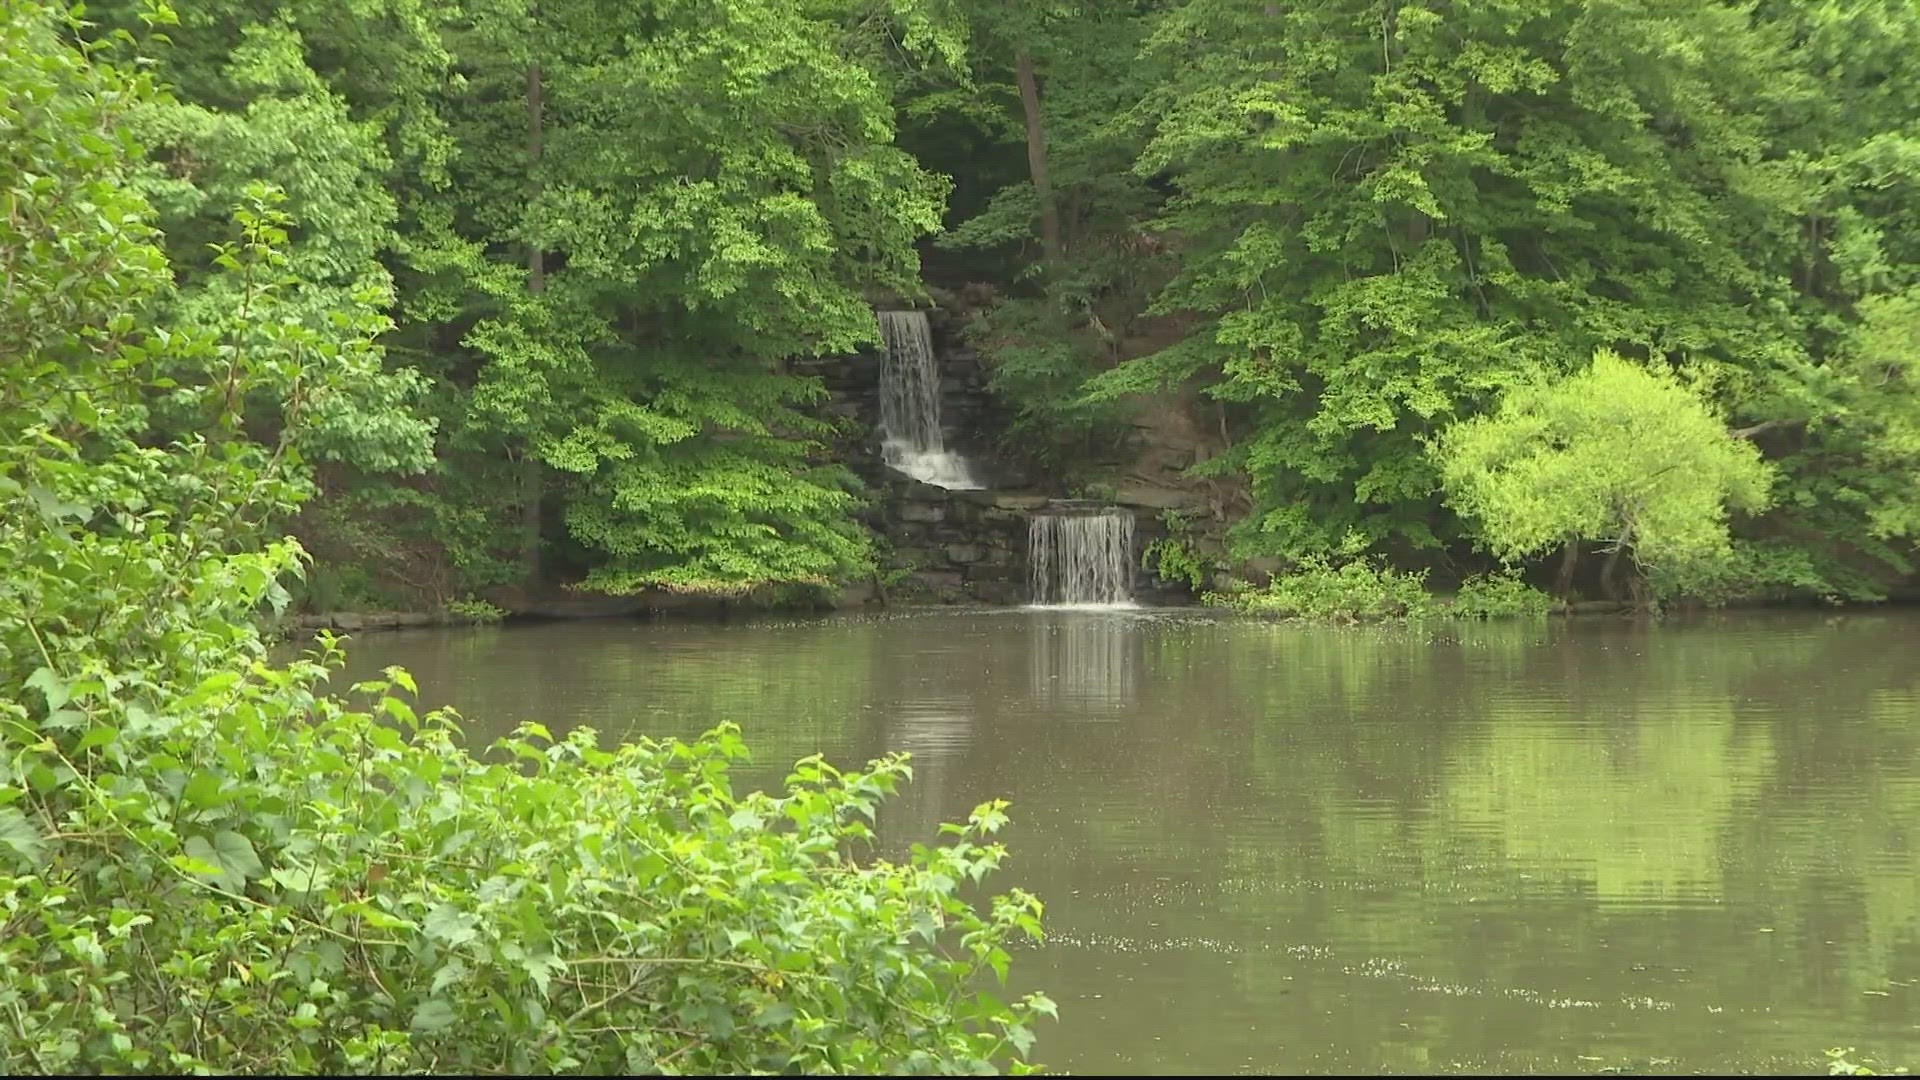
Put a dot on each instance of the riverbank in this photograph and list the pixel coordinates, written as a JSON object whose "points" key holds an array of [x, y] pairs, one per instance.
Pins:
{"points": [[866, 598]]}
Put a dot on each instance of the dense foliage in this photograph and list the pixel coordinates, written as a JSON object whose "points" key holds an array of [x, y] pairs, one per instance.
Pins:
{"points": [[1326, 231], [1353, 223], [600, 249], [207, 863]]}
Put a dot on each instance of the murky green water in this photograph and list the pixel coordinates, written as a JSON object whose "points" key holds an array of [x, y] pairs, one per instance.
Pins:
{"points": [[1690, 847]]}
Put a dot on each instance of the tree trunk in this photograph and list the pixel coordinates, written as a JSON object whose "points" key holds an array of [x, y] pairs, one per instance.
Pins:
{"points": [[536, 109], [1419, 227], [1569, 558], [532, 475], [1608, 583], [1037, 159]]}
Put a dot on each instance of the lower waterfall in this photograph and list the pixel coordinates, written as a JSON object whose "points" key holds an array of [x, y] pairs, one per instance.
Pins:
{"points": [[1081, 558]]}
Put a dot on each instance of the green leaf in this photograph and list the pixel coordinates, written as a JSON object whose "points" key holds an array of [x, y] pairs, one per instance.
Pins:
{"points": [[451, 926], [50, 685], [53, 509], [297, 878], [195, 866], [1021, 1037], [774, 1015], [18, 835], [100, 735], [540, 969], [228, 858], [450, 972], [237, 855], [203, 791], [433, 1014]]}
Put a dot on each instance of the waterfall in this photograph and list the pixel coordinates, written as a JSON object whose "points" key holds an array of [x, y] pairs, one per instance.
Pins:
{"points": [[910, 436], [1081, 558]]}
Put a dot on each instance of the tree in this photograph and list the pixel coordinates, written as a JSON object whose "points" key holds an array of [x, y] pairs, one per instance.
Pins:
{"points": [[1390, 213], [1617, 454], [245, 105], [715, 189]]}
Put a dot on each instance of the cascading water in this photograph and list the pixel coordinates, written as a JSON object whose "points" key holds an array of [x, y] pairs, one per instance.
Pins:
{"points": [[910, 436], [1081, 559]]}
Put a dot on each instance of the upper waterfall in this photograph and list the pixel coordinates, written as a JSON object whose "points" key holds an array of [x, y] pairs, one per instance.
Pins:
{"points": [[911, 439]]}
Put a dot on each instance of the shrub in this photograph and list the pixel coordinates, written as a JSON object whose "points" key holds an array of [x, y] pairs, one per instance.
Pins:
{"points": [[1358, 591], [1763, 570], [471, 610], [264, 880], [1500, 595], [1174, 558], [1361, 591]]}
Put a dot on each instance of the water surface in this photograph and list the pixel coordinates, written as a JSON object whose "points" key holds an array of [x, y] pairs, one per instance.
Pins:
{"points": [[1684, 847]]}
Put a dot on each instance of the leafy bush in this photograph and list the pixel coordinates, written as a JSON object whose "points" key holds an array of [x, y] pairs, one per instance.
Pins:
{"points": [[475, 611], [1499, 595], [207, 864], [235, 885], [1361, 591], [1173, 558], [1763, 570], [337, 586], [1357, 591]]}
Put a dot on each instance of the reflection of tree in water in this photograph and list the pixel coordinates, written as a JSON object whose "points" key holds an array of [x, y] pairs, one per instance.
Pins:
{"points": [[1664, 791], [795, 688], [1632, 806]]}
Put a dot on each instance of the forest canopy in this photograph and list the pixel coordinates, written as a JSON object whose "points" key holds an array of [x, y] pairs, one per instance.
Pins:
{"points": [[607, 237]]}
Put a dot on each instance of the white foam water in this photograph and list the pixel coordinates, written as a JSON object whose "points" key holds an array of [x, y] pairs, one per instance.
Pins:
{"points": [[911, 439], [1081, 559]]}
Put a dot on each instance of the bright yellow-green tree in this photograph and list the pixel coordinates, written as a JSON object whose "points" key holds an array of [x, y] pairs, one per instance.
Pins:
{"points": [[1617, 454]]}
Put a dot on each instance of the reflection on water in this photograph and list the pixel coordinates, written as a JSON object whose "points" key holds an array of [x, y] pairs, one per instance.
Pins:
{"points": [[1266, 848], [1632, 805], [1084, 658], [932, 736]]}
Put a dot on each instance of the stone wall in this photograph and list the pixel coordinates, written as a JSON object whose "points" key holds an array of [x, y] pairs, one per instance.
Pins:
{"points": [[971, 546], [952, 546]]}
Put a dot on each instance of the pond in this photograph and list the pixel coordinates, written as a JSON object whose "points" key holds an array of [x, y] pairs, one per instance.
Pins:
{"points": [[1679, 846]]}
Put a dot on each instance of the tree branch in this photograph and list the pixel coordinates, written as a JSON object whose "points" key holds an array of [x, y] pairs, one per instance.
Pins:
{"points": [[1763, 427]]}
